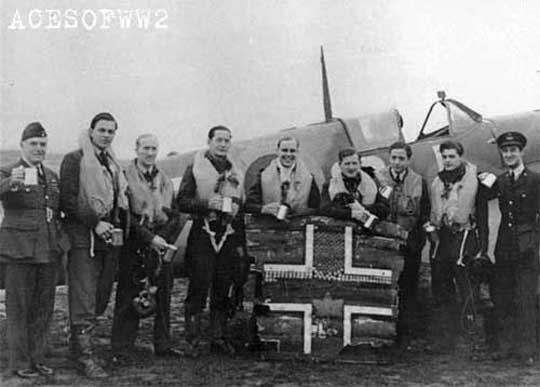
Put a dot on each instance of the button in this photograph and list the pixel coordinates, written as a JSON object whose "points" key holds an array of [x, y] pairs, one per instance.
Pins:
{"points": [[510, 202], [46, 196], [509, 224]]}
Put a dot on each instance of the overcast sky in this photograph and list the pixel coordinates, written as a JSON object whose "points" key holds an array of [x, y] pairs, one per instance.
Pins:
{"points": [[254, 65]]}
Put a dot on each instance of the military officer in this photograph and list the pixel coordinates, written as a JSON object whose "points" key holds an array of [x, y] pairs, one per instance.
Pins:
{"points": [[457, 232], [93, 197], [212, 191], [286, 181], [410, 208], [515, 279], [352, 193], [29, 236], [141, 269]]}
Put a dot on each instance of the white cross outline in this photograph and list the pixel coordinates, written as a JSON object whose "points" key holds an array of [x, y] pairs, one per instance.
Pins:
{"points": [[386, 275], [349, 310], [307, 309], [307, 267]]}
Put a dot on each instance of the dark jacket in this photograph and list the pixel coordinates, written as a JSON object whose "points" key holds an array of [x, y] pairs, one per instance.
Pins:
{"points": [[25, 234], [519, 203], [79, 223]]}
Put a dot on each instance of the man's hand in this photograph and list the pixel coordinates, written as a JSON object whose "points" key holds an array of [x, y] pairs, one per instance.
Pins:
{"points": [[355, 206], [159, 244], [215, 203], [361, 215], [17, 177], [103, 230], [271, 209]]}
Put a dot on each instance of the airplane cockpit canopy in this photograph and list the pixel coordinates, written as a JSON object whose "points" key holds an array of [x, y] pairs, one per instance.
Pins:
{"points": [[448, 116]]}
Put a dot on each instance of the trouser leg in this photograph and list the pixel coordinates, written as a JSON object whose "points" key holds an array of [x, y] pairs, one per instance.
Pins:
{"points": [[200, 271], [408, 284], [126, 318], [83, 276], [41, 311], [162, 336], [220, 303], [526, 316], [504, 300], [106, 275], [444, 326], [19, 284]]}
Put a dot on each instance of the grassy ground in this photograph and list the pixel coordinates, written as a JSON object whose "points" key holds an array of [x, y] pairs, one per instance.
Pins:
{"points": [[411, 367]]}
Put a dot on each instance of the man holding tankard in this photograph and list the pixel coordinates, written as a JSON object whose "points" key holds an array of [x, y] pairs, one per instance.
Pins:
{"points": [[285, 186], [93, 198], [29, 237], [212, 190]]}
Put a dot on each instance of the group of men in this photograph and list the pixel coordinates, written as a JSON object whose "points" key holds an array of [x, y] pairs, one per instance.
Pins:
{"points": [[121, 222]]}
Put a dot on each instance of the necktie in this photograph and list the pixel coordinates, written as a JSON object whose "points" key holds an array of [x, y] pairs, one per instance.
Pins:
{"points": [[103, 159], [148, 176], [41, 175]]}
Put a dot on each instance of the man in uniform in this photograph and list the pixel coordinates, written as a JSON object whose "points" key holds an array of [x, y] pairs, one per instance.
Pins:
{"points": [[93, 199], [211, 190], [410, 208], [30, 250], [141, 269], [515, 277], [457, 232], [352, 193], [286, 181]]}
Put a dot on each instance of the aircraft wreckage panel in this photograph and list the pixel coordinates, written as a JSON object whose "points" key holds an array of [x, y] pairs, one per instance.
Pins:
{"points": [[326, 284]]}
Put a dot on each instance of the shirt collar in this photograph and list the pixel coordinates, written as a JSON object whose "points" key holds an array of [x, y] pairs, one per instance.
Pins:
{"points": [[145, 170], [396, 175], [518, 171], [30, 165]]}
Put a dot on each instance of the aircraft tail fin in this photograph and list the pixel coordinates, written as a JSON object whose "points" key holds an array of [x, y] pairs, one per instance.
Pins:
{"points": [[326, 91]]}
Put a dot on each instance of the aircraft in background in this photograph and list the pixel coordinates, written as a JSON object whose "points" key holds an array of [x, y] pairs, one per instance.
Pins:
{"points": [[372, 135]]}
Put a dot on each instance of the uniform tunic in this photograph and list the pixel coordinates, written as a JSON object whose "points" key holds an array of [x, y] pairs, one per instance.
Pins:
{"points": [[30, 240], [515, 280]]}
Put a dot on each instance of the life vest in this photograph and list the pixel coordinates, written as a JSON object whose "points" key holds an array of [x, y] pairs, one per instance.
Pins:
{"points": [[300, 187], [210, 182], [149, 201], [459, 206], [405, 198], [367, 187]]}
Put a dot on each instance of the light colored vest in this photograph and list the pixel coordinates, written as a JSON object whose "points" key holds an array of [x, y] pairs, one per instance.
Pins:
{"points": [[210, 182], [367, 187], [460, 204], [298, 194], [146, 201], [405, 198]]}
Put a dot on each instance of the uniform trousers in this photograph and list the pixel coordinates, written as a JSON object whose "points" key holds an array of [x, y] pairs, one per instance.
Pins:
{"points": [[452, 287], [208, 270], [30, 291], [133, 267], [514, 292], [90, 281]]}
